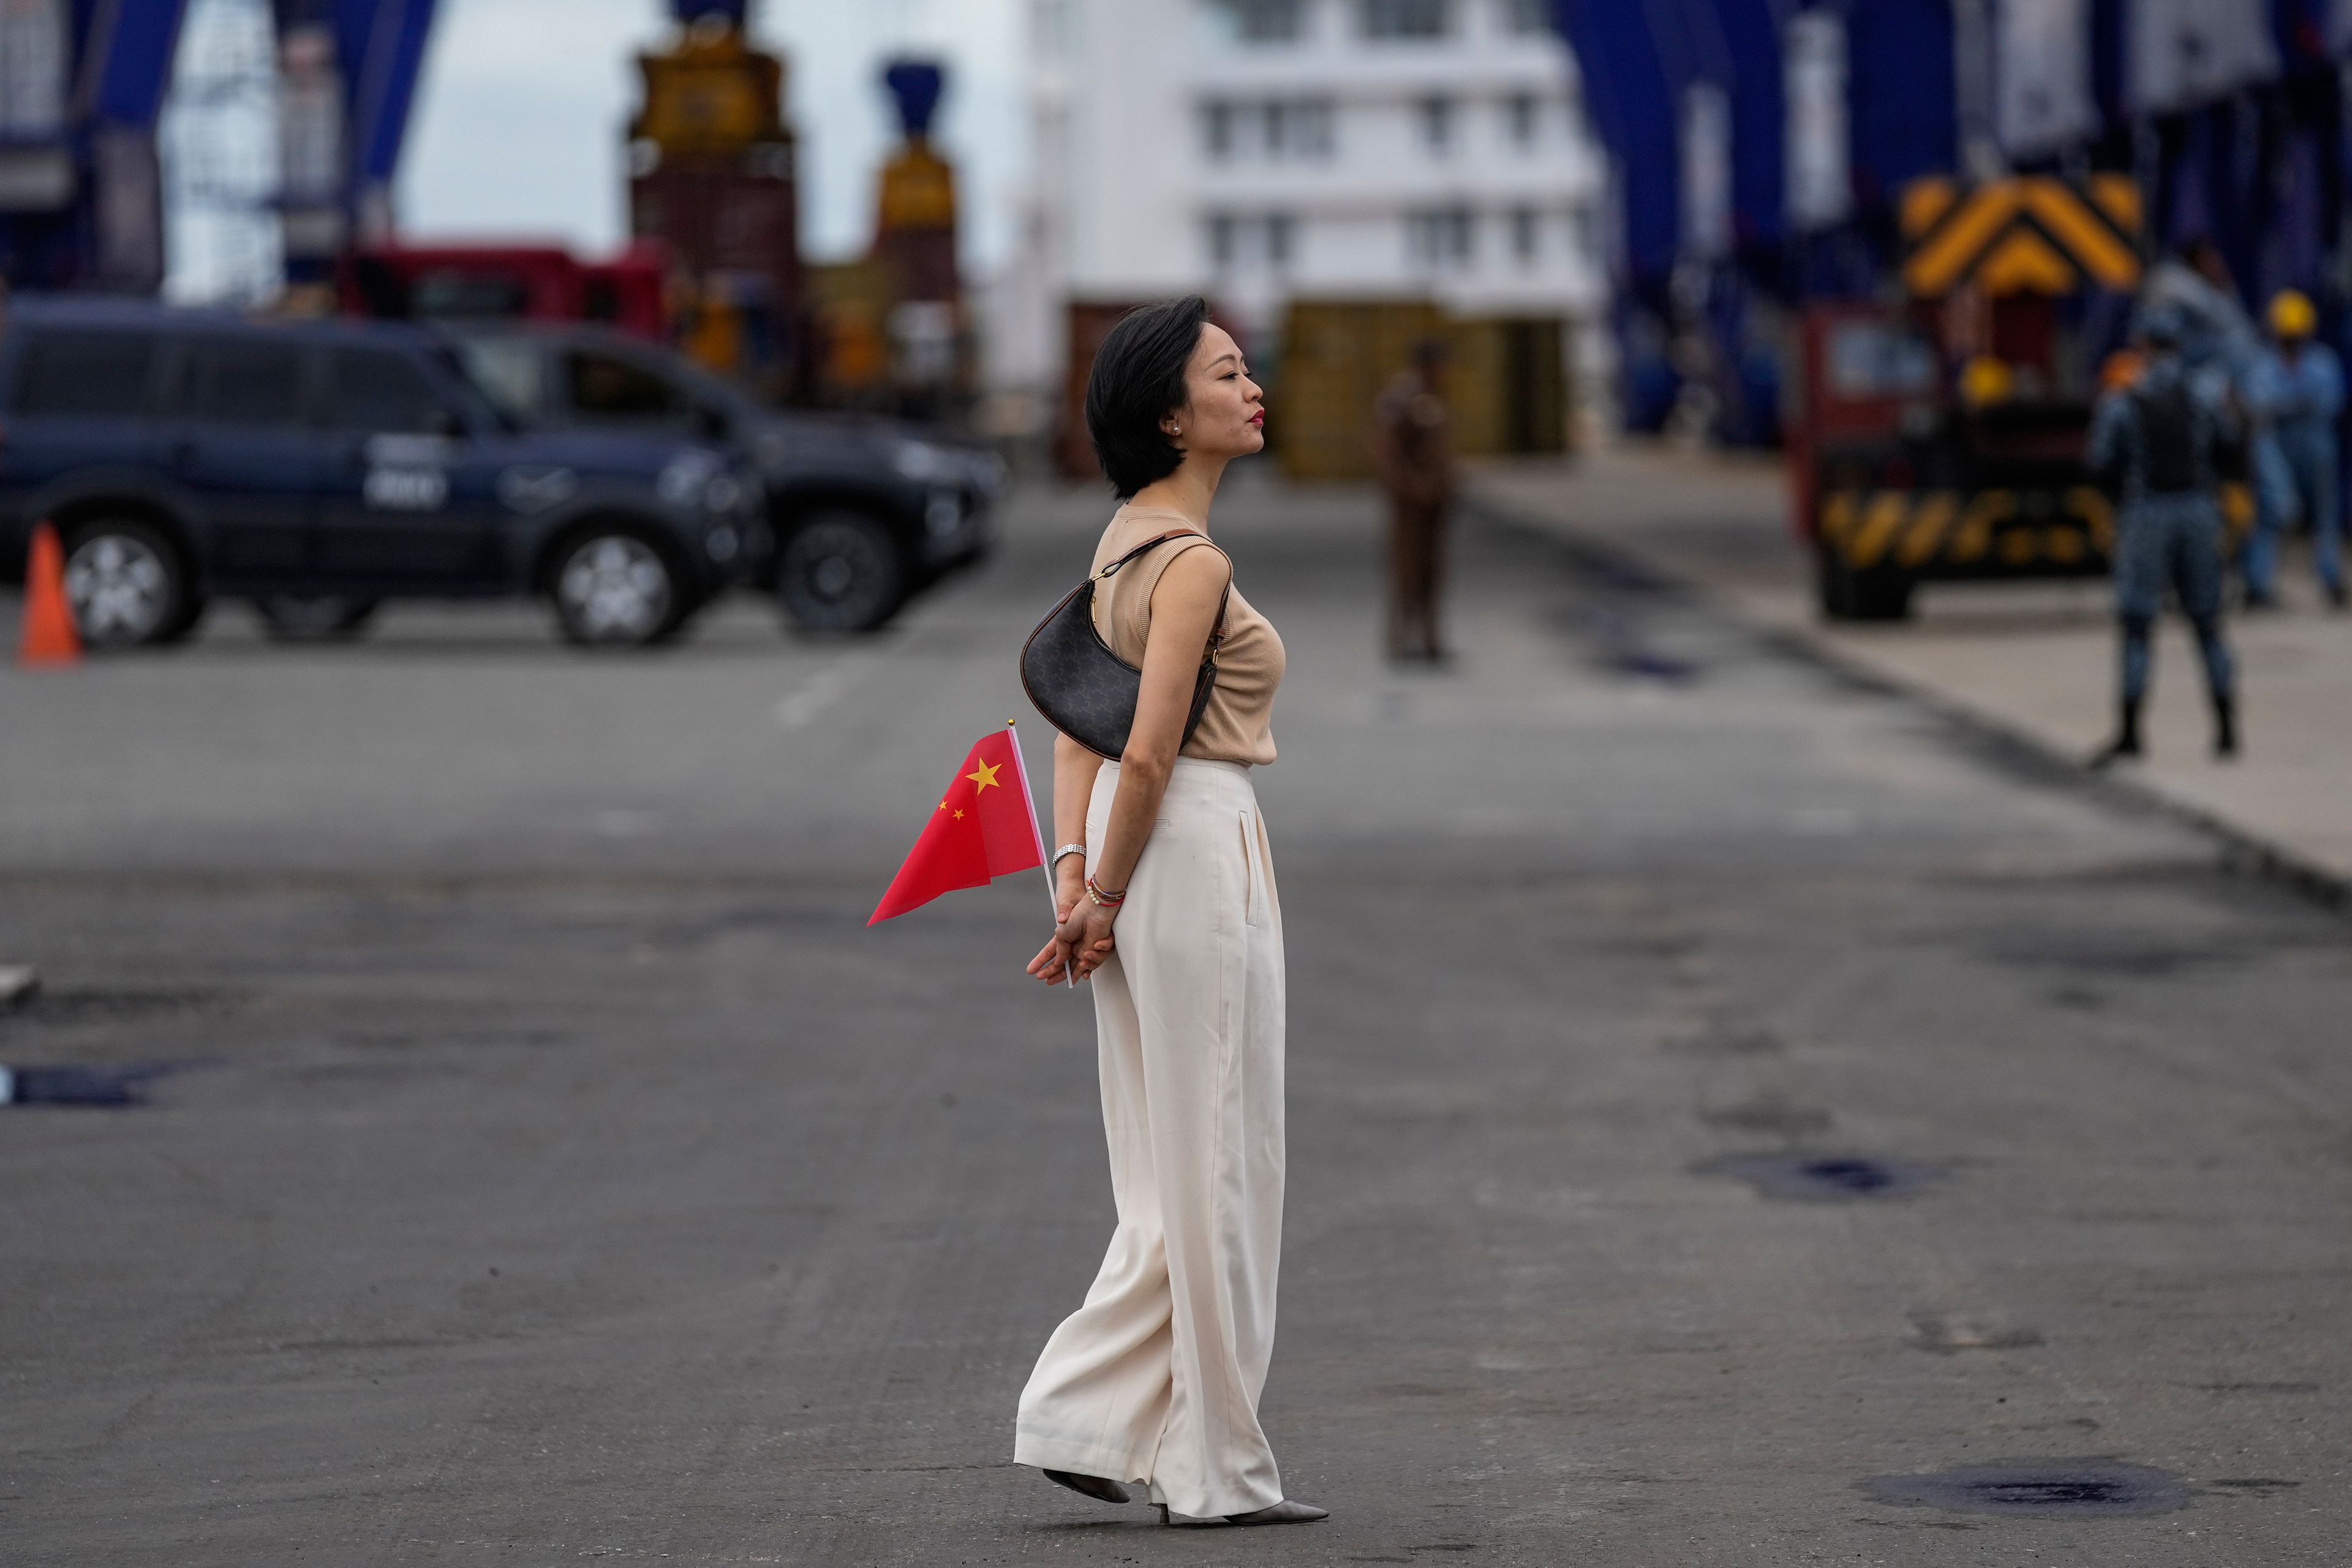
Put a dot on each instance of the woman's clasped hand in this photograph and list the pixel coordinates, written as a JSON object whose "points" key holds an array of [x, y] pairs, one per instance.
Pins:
{"points": [[1082, 936]]}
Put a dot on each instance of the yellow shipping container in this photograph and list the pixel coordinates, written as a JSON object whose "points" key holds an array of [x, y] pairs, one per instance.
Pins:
{"points": [[1508, 384], [1337, 355]]}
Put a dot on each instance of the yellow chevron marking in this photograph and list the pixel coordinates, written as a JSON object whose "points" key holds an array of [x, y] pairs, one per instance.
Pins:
{"points": [[1942, 258], [2117, 195], [2092, 244], [1925, 201], [1925, 535], [2022, 262], [1880, 521], [2064, 545], [1973, 537], [1988, 232]]}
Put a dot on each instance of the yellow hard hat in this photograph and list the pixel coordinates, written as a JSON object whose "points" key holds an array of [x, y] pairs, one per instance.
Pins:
{"points": [[2291, 315], [1985, 380]]}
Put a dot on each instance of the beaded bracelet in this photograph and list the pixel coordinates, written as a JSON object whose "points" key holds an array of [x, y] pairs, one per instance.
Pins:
{"points": [[1107, 900]]}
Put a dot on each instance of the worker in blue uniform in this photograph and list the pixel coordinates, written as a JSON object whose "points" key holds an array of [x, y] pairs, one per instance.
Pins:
{"points": [[2159, 440], [2295, 396]]}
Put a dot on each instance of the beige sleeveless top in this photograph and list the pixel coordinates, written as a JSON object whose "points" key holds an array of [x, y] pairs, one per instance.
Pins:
{"points": [[1238, 725]]}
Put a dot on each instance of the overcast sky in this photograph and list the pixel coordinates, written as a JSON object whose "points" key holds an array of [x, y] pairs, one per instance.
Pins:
{"points": [[517, 130]]}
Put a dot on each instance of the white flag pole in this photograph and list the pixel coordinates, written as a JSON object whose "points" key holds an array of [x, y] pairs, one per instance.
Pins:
{"points": [[1029, 799]]}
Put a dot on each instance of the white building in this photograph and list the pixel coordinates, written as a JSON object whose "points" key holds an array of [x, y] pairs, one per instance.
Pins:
{"points": [[1258, 151]]}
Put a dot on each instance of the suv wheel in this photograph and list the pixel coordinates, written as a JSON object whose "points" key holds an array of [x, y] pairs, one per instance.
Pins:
{"points": [[314, 617], [614, 587], [129, 585], [841, 572]]}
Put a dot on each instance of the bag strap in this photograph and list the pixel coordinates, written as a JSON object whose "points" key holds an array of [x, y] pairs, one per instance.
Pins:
{"points": [[1216, 632], [1154, 544]]}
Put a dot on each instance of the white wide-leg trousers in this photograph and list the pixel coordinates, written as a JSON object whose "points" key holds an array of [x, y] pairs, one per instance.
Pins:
{"points": [[1156, 1378]]}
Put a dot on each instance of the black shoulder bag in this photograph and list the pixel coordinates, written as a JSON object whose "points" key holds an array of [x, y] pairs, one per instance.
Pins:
{"points": [[1088, 692]]}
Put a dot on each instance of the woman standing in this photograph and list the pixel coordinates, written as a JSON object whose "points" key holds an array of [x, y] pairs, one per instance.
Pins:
{"points": [[1167, 899]]}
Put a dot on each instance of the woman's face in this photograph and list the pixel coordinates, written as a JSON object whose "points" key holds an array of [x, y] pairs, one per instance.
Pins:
{"points": [[1224, 413]]}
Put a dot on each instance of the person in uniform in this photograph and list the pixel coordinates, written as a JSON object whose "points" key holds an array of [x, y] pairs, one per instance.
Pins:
{"points": [[1412, 450], [2159, 439], [2296, 394]]}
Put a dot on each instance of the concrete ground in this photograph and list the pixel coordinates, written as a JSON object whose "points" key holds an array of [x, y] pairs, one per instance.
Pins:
{"points": [[556, 1168], [2037, 659]]}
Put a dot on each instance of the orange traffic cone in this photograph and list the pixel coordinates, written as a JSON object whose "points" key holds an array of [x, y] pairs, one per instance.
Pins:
{"points": [[49, 636]]}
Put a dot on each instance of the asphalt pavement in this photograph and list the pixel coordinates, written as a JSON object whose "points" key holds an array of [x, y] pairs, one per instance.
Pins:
{"points": [[1721, 1095]]}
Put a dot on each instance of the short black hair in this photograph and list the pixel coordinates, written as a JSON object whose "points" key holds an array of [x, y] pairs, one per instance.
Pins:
{"points": [[1137, 377]]}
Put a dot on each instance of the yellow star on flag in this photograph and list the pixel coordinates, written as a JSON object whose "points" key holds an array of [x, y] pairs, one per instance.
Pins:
{"points": [[959, 816], [986, 776]]}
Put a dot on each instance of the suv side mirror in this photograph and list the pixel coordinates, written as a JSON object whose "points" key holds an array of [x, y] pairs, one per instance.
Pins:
{"points": [[445, 422], [713, 422]]}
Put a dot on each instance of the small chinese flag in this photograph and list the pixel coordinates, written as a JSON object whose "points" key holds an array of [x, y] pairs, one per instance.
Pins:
{"points": [[985, 826]]}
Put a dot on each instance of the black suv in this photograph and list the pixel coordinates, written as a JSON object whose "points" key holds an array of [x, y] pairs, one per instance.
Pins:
{"points": [[320, 467], [864, 510]]}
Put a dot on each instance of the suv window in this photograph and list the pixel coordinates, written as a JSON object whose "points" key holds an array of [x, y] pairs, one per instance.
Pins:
{"points": [[375, 390], [604, 387], [240, 381], [85, 373], [510, 370]]}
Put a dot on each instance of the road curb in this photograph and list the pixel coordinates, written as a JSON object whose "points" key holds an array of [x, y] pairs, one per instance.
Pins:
{"points": [[2247, 851]]}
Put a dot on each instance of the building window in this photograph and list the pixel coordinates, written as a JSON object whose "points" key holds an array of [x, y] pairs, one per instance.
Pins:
{"points": [[1439, 239], [1581, 237], [1273, 130], [1217, 128], [1519, 113], [1268, 241], [1407, 18], [1437, 123], [1526, 16], [1267, 21], [1307, 129], [1221, 240], [1526, 232]]}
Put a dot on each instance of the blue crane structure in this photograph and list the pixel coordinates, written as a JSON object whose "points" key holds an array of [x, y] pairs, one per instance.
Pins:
{"points": [[83, 83]]}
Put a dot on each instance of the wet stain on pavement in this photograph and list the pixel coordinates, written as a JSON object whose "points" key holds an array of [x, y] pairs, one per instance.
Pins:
{"points": [[1821, 1178], [2047, 1488]]}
